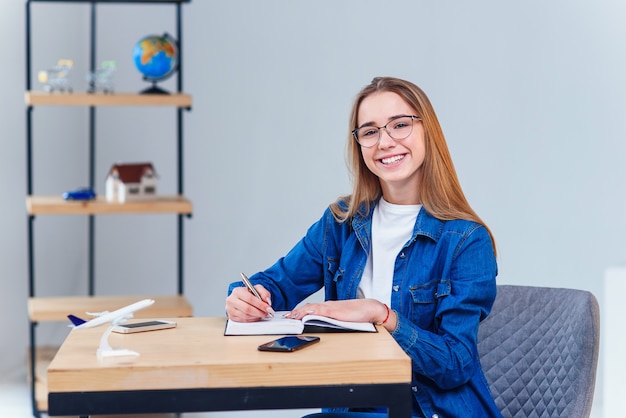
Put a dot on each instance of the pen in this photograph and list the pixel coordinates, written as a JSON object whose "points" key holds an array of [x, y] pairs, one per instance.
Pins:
{"points": [[252, 290]]}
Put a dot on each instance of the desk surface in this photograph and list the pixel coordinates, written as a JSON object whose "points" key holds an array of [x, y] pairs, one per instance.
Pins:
{"points": [[196, 354]]}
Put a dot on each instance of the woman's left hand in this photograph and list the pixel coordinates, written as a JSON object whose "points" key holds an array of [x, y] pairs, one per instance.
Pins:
{"points": [[354, 310]]}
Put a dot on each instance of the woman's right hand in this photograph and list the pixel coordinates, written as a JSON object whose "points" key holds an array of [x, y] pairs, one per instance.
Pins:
{"points": [[243, 306]]}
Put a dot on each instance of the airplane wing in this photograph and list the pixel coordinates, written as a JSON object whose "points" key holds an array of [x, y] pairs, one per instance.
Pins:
{"points": [[97, 313]]}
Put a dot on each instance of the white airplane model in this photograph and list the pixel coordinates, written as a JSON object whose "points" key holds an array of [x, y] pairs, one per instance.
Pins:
{"points": [[116, 317]]}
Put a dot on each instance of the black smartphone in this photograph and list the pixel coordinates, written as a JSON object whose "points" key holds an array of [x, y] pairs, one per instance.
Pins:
{"points": [[289, 343]]}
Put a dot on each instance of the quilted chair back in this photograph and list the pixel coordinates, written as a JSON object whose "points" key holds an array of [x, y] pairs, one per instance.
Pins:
{"points": [[539, 351]]}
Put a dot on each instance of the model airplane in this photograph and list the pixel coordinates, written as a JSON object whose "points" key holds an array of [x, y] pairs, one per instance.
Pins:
{"points": [[116, 317]]}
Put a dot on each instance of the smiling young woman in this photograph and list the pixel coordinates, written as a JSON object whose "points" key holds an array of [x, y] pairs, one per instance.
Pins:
{"points": [[405, 250], [440, 190]]}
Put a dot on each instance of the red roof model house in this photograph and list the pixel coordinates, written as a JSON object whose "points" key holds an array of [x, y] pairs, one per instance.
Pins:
{"points": [[135, 181]]}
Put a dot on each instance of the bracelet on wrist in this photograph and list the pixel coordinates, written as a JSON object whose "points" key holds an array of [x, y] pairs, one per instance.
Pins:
{"points": [[386, 317]]}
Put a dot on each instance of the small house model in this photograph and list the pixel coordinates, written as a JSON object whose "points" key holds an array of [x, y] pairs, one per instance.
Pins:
{"points": [[133, 181]]}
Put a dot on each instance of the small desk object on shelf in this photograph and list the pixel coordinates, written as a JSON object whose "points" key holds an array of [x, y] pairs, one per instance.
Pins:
{"points": [[194, 368]]}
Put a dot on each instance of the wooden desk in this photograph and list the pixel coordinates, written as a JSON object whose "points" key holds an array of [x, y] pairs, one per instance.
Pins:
{"points": [[194, 368]]}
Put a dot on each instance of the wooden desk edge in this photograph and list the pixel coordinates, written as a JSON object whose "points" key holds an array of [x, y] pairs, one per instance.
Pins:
{"points": [[187, 365]]}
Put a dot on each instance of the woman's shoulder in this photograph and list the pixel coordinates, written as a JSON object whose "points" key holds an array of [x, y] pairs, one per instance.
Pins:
{"points": [[340, 205], [342, 211], [434, 225]]}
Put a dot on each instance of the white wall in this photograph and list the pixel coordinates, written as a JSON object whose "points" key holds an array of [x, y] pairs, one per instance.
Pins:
{"points": [[530, 94]]}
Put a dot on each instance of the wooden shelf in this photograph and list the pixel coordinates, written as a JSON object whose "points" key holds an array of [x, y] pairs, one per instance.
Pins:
{"points": [[43, 357], [57, 308], [56, 205], [41, 309], [41, 98]]}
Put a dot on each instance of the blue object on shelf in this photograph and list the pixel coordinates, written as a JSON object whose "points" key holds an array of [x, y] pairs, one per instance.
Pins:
{"points": [[84, 193]]}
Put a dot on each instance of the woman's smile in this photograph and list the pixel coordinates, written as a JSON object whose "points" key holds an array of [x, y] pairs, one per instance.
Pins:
{"points": [[392, 159]]}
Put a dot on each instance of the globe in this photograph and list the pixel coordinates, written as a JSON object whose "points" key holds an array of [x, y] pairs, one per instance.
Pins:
{"points": [[156, 57]]}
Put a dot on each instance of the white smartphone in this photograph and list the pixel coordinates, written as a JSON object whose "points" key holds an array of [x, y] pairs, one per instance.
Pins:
{"points": [[143, 326]]}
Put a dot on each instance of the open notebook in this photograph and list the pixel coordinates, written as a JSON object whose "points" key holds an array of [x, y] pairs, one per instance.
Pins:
{"points": [[281, 325]]}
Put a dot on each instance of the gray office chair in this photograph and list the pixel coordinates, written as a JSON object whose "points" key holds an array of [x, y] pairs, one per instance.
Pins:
{"points": [[539, 351]]}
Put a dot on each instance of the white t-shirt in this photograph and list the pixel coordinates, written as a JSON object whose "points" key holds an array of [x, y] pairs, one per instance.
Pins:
{"points": [[392, 227]]}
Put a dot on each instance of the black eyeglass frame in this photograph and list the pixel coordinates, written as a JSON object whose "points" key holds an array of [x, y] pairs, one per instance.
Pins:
{"points": [[378, 128]]}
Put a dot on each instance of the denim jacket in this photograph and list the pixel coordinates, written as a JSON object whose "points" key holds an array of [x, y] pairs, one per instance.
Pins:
{"points": [[443, 286]]}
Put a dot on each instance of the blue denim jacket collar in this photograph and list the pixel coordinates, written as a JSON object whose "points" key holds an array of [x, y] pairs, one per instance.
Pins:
{"points": [[426, 225]]}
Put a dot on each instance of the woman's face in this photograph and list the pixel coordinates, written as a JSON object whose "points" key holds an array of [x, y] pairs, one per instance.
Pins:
{"points": [[396, 163]]}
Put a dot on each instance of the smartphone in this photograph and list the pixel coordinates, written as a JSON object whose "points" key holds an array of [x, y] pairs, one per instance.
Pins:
{"points": [[290, 343], [143, 326]]}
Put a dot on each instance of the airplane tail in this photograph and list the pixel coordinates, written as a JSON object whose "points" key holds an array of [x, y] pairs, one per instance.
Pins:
{"points": [[76, 320]]}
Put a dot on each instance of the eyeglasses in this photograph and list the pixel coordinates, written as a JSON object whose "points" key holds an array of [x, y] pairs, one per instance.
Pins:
{"points": [[397, 128]]}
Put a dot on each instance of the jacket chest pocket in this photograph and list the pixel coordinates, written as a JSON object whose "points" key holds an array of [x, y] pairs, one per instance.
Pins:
{"points": [[424, 301]]}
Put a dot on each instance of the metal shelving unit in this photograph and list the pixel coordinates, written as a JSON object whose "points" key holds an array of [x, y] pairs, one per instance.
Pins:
{"points": [[53, 309]]}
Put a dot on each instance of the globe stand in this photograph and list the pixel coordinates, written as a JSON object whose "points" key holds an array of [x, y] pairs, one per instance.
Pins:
{"points": [[154, 89]]}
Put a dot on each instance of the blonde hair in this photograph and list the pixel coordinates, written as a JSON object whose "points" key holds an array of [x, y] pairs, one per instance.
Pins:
{"points": [[440, 191]]}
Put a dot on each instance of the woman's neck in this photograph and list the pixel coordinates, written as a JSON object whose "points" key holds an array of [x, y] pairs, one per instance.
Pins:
{"points": [[408, 195]]}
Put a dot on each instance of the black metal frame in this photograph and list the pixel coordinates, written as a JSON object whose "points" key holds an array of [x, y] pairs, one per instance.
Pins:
{"points": [[92, 121], [396, 397]]}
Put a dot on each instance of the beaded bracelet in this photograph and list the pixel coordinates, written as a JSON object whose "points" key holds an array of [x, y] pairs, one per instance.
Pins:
{"points": [[387, 317]]}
